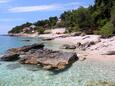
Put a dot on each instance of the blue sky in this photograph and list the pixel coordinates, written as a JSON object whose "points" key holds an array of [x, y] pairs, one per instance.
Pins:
{"points": [[16, 12]]}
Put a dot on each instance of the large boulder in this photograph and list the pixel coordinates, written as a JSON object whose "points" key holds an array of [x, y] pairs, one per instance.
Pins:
{"points": [[75, 34], [31, 60], [83, 34], [49, 59], [25, 48], [47, 39], [108, 53], [13, 54], [10, 57], [37, 55], [67, 46], [84, 46]]}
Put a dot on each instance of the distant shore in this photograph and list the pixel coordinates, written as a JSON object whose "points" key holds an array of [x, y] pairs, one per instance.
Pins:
{"points": [[23, 34]]}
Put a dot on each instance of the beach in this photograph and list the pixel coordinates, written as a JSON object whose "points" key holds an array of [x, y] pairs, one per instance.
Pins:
{"points": [[96, 51]]}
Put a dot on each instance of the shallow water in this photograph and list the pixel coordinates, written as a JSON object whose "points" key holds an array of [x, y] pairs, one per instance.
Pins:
{"points": [[7, 42], [81, 72]]}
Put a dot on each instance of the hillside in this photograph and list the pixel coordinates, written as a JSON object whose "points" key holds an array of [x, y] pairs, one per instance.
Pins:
{"points": [[96, 19]]}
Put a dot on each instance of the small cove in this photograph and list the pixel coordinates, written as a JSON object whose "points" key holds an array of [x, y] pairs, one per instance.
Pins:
{"points": [[81, 72]]}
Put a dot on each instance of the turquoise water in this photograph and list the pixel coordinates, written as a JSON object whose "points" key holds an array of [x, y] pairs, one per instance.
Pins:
{"points": [[81, 72], [7, 42], [12, 42]]}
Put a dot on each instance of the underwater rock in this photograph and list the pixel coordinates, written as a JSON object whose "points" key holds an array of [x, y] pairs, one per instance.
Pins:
{"points": [[26, 40], [13, 66], [99, 83]]}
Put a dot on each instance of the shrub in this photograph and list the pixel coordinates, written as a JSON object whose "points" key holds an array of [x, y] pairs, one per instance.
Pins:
{"points": [[96, 32], [73, 29], [107, 30], [40, 30], [103, 22]]}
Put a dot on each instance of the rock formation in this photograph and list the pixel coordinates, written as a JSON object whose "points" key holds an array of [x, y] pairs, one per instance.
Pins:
{"points": [[36, 55]]}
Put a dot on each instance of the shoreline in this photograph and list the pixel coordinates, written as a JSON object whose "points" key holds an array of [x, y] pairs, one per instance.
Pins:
{"points": [[95, 67], [23, 35], [96, 51]]}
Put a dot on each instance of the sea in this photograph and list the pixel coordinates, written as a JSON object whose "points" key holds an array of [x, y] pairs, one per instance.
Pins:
{"points": [[79, 74]]}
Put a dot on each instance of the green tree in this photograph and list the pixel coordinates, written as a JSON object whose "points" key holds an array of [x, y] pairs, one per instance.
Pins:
{"points": [[20, 28], [42, 23], [82, 19], [53, 21], [101, 10], [113, 13], [40, 30], [77, 18]]}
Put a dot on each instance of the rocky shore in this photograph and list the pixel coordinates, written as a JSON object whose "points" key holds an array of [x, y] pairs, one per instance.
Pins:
{"points": [[89, 46], [36, 55]]}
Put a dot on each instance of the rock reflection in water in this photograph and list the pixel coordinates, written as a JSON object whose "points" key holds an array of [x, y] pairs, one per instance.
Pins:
{"points": [[32, 67], [13, 66]]}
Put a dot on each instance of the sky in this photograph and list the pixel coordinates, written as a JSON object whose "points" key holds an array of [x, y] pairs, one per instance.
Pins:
{"points": [[17, 12]]}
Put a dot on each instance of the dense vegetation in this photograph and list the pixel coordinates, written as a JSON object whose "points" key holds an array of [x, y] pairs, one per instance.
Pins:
{"points": [[19, 29], [96, 19]]}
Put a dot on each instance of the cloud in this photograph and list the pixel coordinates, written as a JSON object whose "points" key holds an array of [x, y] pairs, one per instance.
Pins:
{"points": [[4, 1], [50, 7], [32, 8]]}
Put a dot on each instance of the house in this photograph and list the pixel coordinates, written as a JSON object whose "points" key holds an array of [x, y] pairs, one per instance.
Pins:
{"points": [[29, 29], [32, 27], [26, 29]]}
